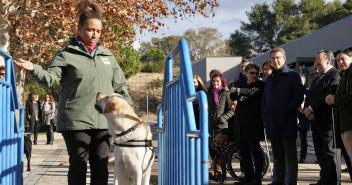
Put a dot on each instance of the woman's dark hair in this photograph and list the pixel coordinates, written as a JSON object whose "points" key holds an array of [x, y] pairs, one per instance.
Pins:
{"points": [[252, 65], [268, 63], [88, 10], [344, 51], [212, 72], [245, 60], [222, 78]]}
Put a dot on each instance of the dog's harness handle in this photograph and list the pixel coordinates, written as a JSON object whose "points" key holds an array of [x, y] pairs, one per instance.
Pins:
{"points": [[147, 143], [128, 130]]}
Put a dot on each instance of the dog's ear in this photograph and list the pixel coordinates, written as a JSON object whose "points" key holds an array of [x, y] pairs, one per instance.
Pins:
{"points": [[110, 106]]}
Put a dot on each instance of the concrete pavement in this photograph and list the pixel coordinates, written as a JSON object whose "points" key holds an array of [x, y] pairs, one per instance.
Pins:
{"points": [[50, 166]]}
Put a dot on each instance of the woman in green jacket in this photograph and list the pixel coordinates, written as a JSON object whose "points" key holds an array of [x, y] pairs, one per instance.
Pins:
{"points": [[83, 68], [343, 98]]}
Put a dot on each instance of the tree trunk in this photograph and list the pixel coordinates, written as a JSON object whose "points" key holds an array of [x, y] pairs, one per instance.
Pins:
{"points": [[4, 44], [4, 37]]}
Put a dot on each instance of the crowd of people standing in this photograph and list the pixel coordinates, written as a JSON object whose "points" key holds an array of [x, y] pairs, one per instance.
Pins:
{"points": [[283, 105], [250, 105], [41, 112]]}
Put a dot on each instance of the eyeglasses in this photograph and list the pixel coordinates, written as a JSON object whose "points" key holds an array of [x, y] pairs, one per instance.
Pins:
{"points": [[254, 73], [2, 74]]}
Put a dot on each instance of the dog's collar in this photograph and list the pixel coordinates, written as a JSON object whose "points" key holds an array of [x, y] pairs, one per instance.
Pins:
{"points": [[133, 143], [128, 130]]}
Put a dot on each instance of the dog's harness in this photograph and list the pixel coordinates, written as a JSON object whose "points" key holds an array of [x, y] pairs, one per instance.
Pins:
{"points": [[128, 130], [134, 143], [147, 143]]}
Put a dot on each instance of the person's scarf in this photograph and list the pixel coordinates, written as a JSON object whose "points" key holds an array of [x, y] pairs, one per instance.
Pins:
{"points": [[216, 95], [277, 73], [89, 48]]}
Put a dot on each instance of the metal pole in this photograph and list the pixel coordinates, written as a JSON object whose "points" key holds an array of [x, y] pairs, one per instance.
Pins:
{"points": [[267, 149], [147, 106], [333, 130]]}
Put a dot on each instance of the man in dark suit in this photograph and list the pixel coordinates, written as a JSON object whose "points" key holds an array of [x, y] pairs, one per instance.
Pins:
{"points": [[282, 96], [319, 112]]}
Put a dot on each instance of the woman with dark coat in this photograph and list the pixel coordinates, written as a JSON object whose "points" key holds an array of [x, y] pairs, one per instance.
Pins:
{"points": [[248, 126], [199, 86], [34, 115], [343, 99], [219, 108]]}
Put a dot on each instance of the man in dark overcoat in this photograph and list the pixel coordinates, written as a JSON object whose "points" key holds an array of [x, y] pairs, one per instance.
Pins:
{"points": [[319, 112], [284, 93]]}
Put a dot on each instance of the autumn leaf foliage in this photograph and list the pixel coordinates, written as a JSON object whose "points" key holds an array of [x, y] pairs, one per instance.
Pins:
{"points": [[38, 28]]}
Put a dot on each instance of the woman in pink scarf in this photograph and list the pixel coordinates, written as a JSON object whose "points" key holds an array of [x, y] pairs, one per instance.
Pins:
{"points": [[219, 104]]}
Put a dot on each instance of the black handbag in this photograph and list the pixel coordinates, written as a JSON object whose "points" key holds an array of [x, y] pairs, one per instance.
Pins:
{"points": [[53, 121]]}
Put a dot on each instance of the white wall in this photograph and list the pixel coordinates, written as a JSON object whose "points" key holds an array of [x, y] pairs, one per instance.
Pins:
{"points": [[229, 66]]}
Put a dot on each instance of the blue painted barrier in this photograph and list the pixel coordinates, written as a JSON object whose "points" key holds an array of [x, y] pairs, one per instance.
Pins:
{"points": [[11, 129], [183, 150]]}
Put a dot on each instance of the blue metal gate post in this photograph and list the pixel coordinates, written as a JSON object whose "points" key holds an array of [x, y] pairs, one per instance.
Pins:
{"points": [[183, 150], [11, 129]]}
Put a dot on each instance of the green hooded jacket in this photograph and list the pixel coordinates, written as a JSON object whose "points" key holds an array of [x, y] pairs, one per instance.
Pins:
{"points": [[81, 77]]}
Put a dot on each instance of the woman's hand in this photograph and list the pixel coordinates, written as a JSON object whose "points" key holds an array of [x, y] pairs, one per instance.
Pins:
{"points": [[24, 64], [330, 99], [234, 105]]}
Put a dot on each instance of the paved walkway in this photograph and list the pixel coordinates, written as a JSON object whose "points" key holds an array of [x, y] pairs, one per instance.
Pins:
{"points": [[50, 165]]}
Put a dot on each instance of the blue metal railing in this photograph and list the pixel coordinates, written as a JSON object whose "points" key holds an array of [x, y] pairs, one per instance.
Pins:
{"points": [[183, 150], [11, 129]]}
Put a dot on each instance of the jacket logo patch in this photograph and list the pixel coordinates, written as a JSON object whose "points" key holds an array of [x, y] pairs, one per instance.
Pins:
{"points": [[106, 61]]}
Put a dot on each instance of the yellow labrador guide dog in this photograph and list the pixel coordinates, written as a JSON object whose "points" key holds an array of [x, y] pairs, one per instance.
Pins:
{"points": [[133, 150]]}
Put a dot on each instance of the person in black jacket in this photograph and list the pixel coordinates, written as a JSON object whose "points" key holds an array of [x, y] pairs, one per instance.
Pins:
{"points": [[283, 95], [303, 126], [319, 112], [33, 115], [244, 63], [199, 86], [219, 108], [248, 125]]}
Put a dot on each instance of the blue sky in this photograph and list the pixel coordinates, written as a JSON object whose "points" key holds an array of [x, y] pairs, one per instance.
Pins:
{"points": [[227, 20]]}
